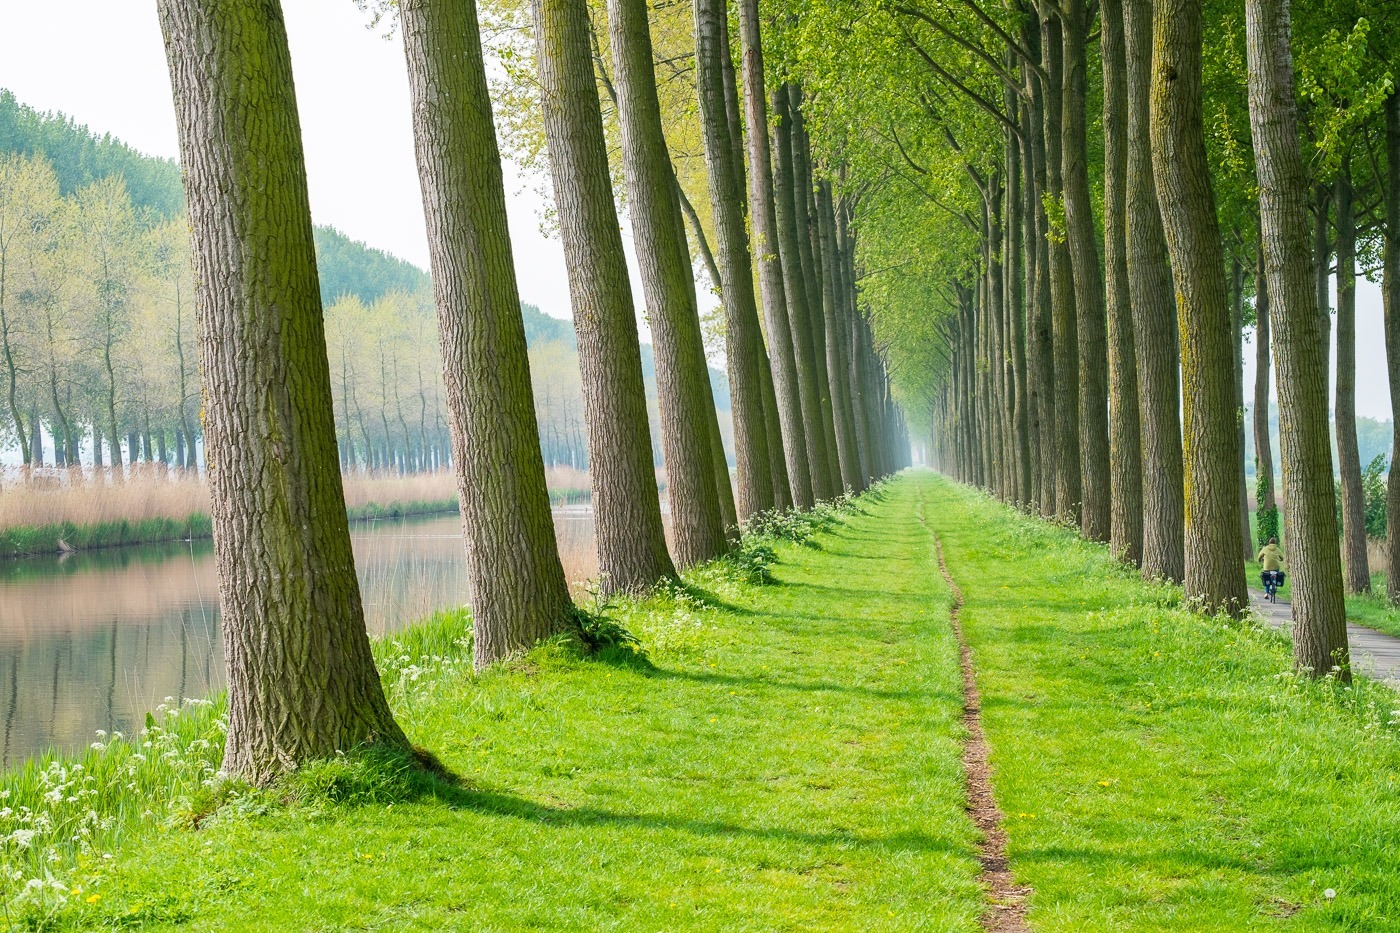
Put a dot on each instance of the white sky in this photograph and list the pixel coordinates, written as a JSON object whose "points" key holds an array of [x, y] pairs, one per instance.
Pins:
{"points": [[102, 62]]}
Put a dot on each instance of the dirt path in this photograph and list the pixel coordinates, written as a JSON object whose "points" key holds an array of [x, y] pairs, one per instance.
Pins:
{"points": [[1006, 911]]}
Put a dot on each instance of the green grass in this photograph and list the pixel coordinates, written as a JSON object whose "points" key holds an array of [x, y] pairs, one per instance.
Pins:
{"points": [[1160, 770], [1372, 609], [788, 758], [28, 542]]}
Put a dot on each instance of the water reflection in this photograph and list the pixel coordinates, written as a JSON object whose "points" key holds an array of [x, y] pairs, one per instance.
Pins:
{"points": [[93, 640]]}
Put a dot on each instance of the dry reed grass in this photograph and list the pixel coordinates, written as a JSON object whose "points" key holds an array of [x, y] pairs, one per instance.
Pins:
{"points": [[56, 497]]}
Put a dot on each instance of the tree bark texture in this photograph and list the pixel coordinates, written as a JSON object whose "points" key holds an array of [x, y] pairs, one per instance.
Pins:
{"points": [[809, 253], [1390, 295], [1355, 566], [1237, 334], [799, 302], [1090, 320], [744, 343], [847, 255], [1214, 573], [1064, 325], [1016, 315], [1041, 338], [626, 503], [777, 467], [1125, 435], [1319, 616], [518, 590], [682, 378], [766, 250], [301, 679], [832, 306], [1156, 340], [1263, 443]]}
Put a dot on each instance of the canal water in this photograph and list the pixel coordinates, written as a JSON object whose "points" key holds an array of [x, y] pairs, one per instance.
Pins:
{"points": [[93, 640]]}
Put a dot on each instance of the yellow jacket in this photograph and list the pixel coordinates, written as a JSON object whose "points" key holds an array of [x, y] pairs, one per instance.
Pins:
{"points": [[1271, 557]]}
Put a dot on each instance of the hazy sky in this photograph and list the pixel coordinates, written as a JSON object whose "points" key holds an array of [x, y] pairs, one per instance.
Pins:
{"points": [[102, 62]]}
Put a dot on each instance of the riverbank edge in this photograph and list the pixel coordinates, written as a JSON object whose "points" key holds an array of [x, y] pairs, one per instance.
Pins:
{"points": [[85, 805], [68, 537]]}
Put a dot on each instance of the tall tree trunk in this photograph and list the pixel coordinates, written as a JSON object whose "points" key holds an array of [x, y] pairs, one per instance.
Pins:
{"points": [[800, 304], [847, 249], [804, 198], [1096, 518], [1154, 321], [1354, 561], [1265, 502], [1065, 327], [682, 379], [744, 344], [1319, 615], [766, 250], [1237, 333], [842, 419], [1214, 574], [1322, 269], [1016, 315], [114, 435], [518, 590], [301, 679], [1125, 435], [1390, 294], [1040, 325], [626, 503], [777, 466]]}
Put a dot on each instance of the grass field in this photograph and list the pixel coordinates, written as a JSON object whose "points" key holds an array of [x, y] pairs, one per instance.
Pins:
{"points": [[1160, 770], [788, 758]]}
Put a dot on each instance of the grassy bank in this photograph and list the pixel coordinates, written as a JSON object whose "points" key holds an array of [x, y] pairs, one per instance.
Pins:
{"points": [[786, 757], [1160, 770], [68, 536]]}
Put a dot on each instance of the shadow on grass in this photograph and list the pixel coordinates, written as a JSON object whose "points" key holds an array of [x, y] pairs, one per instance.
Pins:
{"points": [[1194, 858], [818, 686], [494, 802]]}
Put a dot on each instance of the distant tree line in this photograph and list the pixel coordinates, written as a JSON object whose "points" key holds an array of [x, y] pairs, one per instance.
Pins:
{"points": [[98, 352]]}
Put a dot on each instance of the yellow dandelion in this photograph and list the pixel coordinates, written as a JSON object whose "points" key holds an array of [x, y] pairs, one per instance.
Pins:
{"points": [[94, 898]]}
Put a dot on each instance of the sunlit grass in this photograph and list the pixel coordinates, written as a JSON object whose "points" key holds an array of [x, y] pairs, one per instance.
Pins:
{"points": [[784, 756], [1161, 770]]}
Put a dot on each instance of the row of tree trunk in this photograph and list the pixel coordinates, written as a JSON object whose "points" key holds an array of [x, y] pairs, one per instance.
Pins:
{"points": [[302, 683], [1087, 393]]}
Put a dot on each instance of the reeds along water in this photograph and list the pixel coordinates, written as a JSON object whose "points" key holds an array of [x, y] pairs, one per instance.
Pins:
{"points": [[88, 497], [151, 493]]}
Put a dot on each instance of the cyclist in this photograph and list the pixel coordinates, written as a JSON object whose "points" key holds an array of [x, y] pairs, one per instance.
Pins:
{"points": [[1271, 564]]}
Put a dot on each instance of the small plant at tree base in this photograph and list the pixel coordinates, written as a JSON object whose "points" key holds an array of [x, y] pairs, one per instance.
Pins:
{"points": [[600, 632]]}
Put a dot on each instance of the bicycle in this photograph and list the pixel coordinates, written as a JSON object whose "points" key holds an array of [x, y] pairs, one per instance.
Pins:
{"points": [[1273, 580]]}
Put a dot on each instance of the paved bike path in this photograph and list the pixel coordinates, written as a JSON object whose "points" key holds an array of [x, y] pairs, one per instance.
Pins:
{"points": [[1373, 653]]}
